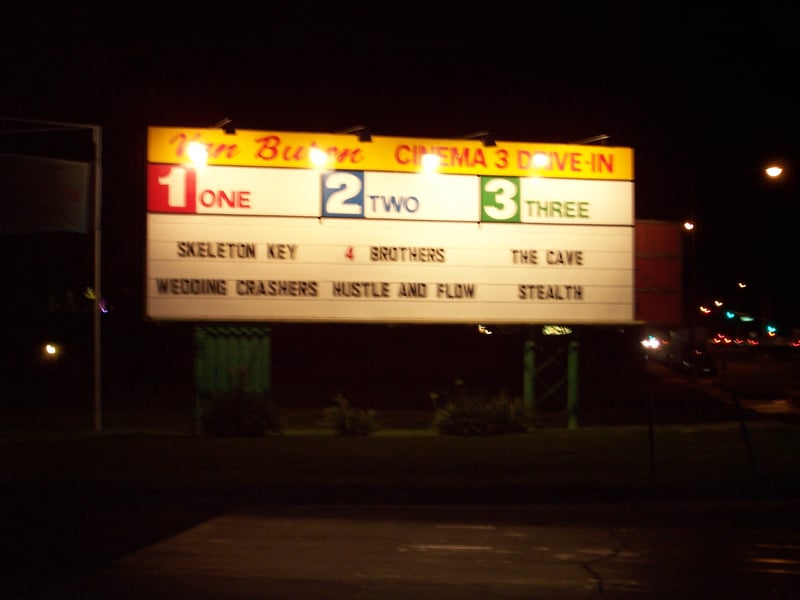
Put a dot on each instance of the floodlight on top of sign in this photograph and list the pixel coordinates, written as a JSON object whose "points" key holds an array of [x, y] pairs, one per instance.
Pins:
{"points": [[431, 162], [540, 160], [319, 158], [198, 153]]}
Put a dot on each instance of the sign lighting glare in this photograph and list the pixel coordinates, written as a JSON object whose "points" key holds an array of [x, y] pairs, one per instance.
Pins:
{"points": [[430, 162], [198, 153]]}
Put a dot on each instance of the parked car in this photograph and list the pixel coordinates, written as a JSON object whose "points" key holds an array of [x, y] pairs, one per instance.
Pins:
{"points": [[698, 356]]}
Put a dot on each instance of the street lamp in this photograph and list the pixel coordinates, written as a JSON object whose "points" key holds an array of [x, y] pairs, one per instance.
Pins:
{"points": [[689, 228], [765, 273], [774, 171]]}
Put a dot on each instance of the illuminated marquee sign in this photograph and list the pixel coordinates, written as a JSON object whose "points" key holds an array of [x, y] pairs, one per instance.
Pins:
{"points": [[277, 226]]}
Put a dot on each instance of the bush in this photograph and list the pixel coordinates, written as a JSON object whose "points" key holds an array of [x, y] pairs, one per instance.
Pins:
{"points": [[240, 414], [349, 421], [476, 414]]}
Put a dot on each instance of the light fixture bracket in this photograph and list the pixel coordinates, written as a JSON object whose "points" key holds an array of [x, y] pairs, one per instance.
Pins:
{"points": [[484, 136], [360, 131], [226, 125]]}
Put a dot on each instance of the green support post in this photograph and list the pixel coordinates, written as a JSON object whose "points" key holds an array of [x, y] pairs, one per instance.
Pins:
{"points": [[266, 364], [226, 353], [528, 374], [572, 385], [201, 366]]}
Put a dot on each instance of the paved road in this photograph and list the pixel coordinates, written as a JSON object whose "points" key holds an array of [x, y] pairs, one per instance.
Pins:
{"points": [[766, 390], [659, 550]]}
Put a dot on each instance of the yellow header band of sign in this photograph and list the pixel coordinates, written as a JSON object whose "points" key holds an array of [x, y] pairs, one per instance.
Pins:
{"points": [[279, 149]]}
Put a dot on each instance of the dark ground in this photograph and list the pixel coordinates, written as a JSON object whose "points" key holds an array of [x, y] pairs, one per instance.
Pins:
{"points": [[70, 518]]}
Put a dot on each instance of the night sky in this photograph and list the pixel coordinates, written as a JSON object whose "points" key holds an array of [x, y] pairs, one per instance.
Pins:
{"points": [[704, 98]]}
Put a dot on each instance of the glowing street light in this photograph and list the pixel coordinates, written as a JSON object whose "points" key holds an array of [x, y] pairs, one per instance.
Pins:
{"points": [[774, 171]]}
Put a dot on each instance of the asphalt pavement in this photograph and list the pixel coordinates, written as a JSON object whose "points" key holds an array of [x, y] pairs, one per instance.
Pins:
{"points": [[620, 550]]}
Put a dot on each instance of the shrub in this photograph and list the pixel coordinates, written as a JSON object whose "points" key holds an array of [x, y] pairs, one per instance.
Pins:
{"points": [[240, 414], [477, 414], [240, 411], [349, 421]]}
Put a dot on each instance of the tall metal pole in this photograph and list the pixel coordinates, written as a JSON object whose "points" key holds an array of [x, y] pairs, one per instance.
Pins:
{"points": [[689, 229], [97, 324], [693, 303]]}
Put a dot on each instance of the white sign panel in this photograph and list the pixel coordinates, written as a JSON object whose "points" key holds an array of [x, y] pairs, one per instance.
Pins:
{"points": [[237, 243], [309, 269]]}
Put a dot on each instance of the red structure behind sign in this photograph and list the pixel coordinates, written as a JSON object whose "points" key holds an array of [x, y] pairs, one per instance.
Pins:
{"points": [[659, 260]]}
